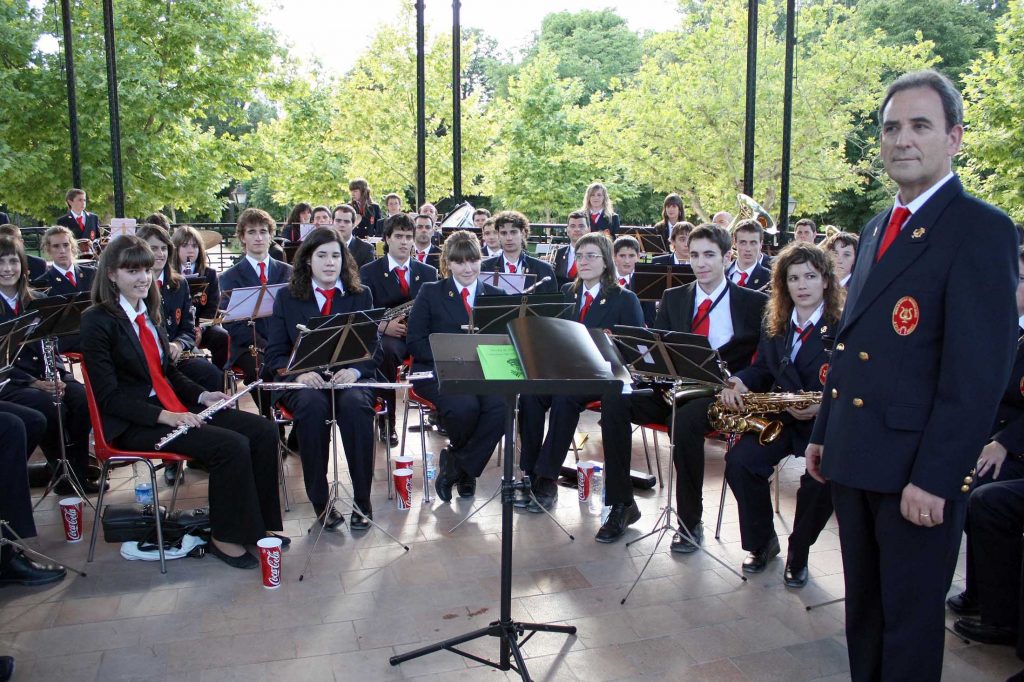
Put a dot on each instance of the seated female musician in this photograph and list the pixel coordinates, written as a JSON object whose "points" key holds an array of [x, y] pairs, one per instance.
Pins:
{"points": [[474, 423], [600, 304], [325, 281], [302, 213], [29, 385], [188, 257], [142, 396], [790, 358]]}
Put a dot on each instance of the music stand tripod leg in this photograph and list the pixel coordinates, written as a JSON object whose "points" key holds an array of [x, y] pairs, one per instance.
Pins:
{"points": [[20, 543]]}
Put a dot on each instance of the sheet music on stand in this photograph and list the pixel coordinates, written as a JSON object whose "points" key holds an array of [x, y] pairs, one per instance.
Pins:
{"points": [[674, 356], [510, 283], [650, 281], [251, 303], [651, 240], [14, 334], [335, 341], [120, 227], [491, 314]]}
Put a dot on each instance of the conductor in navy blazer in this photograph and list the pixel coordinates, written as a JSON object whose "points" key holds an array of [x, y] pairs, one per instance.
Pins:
{"points": [[921, 359]]}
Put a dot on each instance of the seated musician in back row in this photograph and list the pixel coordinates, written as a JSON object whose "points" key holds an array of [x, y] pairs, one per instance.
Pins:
{"points": [[805, 300], [513, 228], [747, 270], [565, 265], [679, 244], [626, 251], [188, 256], [325, 281], [730, 316], [424, 249], [600, 303], [344, 223], [64, 276], [393, 280], [474, 423]]}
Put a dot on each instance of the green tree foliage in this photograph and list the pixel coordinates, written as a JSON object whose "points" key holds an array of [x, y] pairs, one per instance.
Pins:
{"points": [[994, 112], [678, 125], [179, 64]]}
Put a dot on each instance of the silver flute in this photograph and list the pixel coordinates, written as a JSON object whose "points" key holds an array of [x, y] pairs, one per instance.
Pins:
{"points": [[290, 385], [206, 414]]}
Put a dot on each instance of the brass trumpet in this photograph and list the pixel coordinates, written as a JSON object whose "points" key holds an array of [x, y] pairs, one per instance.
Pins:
{"points": [[756, 408]]}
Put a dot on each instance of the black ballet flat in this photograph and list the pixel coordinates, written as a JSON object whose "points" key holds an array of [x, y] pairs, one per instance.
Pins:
{"points": [[285, 540], [244, 561]]}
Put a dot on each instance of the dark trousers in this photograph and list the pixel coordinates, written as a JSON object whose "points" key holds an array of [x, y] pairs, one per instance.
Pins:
{"points": [[1012, 470], [203, 372], [995, 521], [748, 468], [251, 368], [475, 424], [691, 423], [897, 575], [311, 409], [391, 351], [75, 416], [239, 449], [545, 458], [15, 499], [216, 340], [33, 421]]}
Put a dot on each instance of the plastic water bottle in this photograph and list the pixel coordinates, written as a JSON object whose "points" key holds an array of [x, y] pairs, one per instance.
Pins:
{"points": [[431, 467], [143, 488], [596, 501]]}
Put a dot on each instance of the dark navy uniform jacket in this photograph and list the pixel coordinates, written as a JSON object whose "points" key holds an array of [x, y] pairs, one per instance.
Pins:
{"points": [[383, 283], [92, 225], [176, 306], [603, 222], [923, 350], [438, 310], [613, 306], [58, 284], [530, 266], [757, 279]]}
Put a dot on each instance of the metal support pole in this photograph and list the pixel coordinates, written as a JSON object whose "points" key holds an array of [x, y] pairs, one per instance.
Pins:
{"points": [[456, 101], [115, 117], [69, 74], [421, 106], [748, 136], [787, 115]]}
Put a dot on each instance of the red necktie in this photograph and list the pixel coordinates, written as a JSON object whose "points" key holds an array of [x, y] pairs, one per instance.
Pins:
{"points": [[594, 217], [703, 318], [587, 300], [465, 301], [328, 300], [896, 220], [164, 393], [420, 255], [263, 273], [159, 284], [402, 282], [71, 278], [512, 268], [743, 279], [622, 281], [572, 270], [81, 224], [17, 307]]}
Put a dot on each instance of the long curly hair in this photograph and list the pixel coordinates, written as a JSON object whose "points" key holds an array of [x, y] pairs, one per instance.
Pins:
{"points": [[780, 305], [301, 283]]}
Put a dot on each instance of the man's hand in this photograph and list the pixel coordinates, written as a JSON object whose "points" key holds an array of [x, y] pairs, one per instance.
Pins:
{"points": [[804, 413], [48, 386], [175, 349], [992, 457], [920, 507], [345, 376], [396, 327], [731, 397], [311, 379], [812, 458]]}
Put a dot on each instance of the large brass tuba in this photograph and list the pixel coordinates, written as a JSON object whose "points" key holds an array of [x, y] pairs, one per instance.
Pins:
{"points": [[756, 408], [748, 208]]}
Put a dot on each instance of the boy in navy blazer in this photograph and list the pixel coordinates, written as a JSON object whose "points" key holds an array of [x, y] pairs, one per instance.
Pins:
{"points": [[513, 227], [746, 270], [83, 225], [565, 257]]}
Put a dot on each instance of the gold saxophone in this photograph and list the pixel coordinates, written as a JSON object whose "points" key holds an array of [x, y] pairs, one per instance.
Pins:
{"points": [[756, 408]]}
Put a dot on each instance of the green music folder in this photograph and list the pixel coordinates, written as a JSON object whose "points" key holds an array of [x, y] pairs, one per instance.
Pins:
{"points": [[500, 362]]}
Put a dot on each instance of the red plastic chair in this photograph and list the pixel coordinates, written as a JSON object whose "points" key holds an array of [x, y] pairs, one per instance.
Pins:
{"points": [[107, 454]]}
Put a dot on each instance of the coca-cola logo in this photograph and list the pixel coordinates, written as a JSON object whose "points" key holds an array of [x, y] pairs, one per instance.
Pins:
{"points": [[274, 565], [583, 484], [71, 522]]}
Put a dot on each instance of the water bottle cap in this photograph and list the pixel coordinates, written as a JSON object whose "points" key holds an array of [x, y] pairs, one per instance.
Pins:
{"points": [[597, 468]]}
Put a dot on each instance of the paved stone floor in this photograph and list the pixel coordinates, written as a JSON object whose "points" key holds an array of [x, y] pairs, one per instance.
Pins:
{"points": [[363, 599]]}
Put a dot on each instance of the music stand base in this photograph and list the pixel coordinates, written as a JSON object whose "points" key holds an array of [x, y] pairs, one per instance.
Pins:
{"points": [[509, 634]]}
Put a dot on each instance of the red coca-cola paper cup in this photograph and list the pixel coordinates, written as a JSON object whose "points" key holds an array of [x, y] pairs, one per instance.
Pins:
{"points": [[71, 514], [403, 462], [270, 562], [403, 488], [584, 474]]}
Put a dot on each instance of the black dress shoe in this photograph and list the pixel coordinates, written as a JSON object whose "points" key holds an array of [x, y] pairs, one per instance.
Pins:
{"points": [[963, 604], [333, 520], [757, 560], [285, 540], [794, 576], [245, 560], [20, 570], [361, 521], [447, 475], [621, 516], [171, 472], [681, 543], [6, 668], [466, 486], [545, 496], [522, 496], [976, 631]]}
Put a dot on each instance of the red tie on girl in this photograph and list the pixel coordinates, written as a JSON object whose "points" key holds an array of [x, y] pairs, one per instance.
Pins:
{"points": [[328, 300], [263, 273], [403, 283], [465, 301], [743, 279], [899, 216], [164, 392], [71, 278], [587, 300], [703, 326]]}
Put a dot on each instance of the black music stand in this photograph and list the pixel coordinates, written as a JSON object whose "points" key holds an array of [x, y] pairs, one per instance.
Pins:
{"points": [[197, 286], [248, 304], [58, 316], [651, 240], [688, 361], [650, 281], [325, 344], [491, 313], [458, 371]]}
